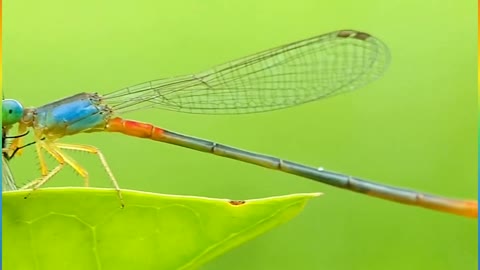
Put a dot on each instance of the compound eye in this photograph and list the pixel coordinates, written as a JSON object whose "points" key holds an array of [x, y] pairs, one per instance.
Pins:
{"points": [[12, 112]]}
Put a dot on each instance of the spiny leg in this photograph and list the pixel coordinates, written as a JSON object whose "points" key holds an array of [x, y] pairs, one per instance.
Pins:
{"points": [[61, 159], [35, 184], [41, 159], [46, 175], [96, 151], [53, 149]]}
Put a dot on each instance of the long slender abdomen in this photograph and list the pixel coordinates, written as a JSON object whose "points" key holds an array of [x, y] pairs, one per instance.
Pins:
{"points": [[467, 208]]}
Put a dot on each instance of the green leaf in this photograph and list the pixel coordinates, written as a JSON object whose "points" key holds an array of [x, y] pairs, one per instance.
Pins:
{"points": [[86, 228]]}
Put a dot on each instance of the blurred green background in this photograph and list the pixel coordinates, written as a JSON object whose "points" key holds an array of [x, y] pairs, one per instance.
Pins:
{"points": [[416, 127]]}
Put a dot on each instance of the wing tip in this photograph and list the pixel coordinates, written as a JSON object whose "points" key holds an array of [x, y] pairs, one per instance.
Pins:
{"points": [[353, 34]]}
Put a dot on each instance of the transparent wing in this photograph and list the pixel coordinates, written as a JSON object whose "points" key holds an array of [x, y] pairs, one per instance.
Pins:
{"points": [[285, 76], [8, 182]]}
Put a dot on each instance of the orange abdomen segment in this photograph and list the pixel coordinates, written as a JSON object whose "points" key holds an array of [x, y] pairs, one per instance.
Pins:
{"points": [[135, 129]]}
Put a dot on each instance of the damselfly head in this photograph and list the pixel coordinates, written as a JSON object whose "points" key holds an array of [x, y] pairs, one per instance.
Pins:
{"points": [[12, 112]]}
